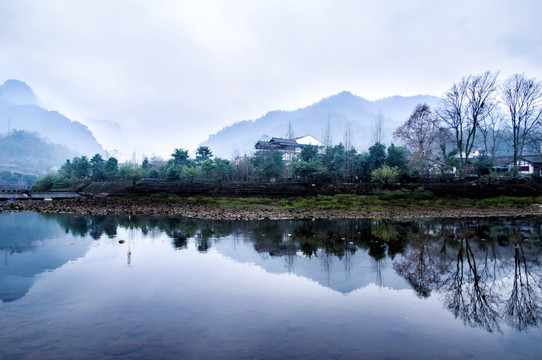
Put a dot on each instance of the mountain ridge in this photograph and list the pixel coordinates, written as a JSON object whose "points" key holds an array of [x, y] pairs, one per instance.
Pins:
{"points": [[342, 109], [19, 107]]}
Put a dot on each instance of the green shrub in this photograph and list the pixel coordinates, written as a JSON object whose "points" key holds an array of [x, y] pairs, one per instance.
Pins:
{"points": [[45, 183], [422, 194], [385, 174]]}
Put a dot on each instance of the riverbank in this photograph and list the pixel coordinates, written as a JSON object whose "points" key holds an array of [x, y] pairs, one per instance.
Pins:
{"points": [[387, 205]]}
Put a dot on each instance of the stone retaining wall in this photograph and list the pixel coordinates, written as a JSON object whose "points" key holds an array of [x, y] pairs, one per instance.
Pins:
{"points": [[244, 189]]}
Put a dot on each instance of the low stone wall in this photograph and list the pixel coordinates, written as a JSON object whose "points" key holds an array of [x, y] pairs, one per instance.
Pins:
{"points": [[273, 190], [29, 195]]}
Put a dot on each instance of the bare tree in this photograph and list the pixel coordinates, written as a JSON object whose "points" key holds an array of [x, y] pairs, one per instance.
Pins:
{"points": [[522, 97], [350, 152], [420, 133], [327, 133], [446, 155], [290, 134], [534, 141], [348, 136], [492, 133], [378, 136], [465, 106]]}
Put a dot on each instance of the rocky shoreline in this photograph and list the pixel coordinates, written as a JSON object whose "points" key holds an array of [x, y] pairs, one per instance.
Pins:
{"points": [[145, 206]]}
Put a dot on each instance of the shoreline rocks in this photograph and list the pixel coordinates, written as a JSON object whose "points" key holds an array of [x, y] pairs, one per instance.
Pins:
{"points": [[145, 206]]}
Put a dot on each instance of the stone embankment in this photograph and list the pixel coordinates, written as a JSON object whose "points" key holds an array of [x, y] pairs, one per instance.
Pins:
{"points": [[146, 206]]}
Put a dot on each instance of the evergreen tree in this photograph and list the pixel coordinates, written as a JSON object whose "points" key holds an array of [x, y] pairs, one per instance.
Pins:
{"points": [[203, 153], [97, 167], [377, 156], [268, 167], [111, 169], [180, 157], [397, 157]]}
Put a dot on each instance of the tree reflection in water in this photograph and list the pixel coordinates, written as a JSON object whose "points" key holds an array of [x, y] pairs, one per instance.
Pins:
{"points": [[486, 271], [469, 292], [522, 309]]}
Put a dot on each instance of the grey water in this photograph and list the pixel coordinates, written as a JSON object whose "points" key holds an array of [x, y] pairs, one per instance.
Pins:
{"points": [[88, 287]]}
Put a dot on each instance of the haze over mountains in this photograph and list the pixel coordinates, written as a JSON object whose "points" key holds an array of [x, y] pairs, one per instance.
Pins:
{"points": [[19, 110], [343, 110]]}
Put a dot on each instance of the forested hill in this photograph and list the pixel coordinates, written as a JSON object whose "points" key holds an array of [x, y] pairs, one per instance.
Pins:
{"points": [[342, 110], [24, 157], [19, 110], [26, 152]]}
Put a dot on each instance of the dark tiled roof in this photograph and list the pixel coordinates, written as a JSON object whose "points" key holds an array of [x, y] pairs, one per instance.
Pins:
{"points": [[507, 160], [283, 141]]}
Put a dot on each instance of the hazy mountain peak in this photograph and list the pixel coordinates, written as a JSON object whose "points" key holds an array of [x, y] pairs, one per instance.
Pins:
{"points": [[344, 94], [341, 99], [16, 92], [19, 111]]}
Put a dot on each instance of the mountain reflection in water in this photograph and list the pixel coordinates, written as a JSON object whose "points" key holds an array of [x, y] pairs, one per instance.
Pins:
{"points": [[486, 272]]}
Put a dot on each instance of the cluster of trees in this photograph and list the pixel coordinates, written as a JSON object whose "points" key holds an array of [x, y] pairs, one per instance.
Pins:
{"points": [[202, 167], [312, 165], [179, 167], [337, 164], [79, 169], [477, 113]]}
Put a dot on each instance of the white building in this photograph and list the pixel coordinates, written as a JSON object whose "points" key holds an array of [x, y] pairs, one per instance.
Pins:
{"points": [[289, 147]]}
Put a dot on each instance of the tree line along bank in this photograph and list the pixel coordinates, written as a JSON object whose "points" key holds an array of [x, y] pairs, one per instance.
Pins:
{"points": [[477, 115]]}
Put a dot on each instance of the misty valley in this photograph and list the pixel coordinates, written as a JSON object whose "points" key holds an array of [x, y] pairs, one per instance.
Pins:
{"points": [[81, 286]]}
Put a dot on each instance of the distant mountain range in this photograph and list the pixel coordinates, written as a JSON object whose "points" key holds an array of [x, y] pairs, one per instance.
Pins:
{"points": [[19, 110], [342, 110]]}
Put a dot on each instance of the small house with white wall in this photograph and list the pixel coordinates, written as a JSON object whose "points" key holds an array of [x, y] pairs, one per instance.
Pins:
{"points": [[289, 147], [527, 164]]}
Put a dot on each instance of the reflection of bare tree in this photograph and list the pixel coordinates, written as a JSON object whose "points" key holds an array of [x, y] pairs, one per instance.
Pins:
{"points": [[326, 259], [348, 263], [468, 296], [419, 269], [473, 274], [290, 253], [378, 266], [522, 309], [419, 264]]}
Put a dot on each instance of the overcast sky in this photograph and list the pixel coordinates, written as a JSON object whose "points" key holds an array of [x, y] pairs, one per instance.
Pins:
{"points": [[172, 72]]}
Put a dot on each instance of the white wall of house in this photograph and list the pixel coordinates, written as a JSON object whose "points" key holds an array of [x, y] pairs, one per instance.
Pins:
{"points": [[524, 167], [308, 140]]}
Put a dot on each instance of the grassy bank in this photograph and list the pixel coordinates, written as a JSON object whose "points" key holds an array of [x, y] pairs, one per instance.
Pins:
{"points": [[385, 204], [379, 202]]}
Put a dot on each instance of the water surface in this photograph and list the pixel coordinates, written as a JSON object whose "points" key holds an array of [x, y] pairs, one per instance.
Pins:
{"points": [[183, 288]]}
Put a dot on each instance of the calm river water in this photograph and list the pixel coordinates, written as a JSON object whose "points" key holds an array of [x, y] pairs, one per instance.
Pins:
{"points": [[90, 287]]}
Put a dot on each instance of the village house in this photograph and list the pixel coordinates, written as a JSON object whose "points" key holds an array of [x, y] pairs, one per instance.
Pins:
{"points": [[288, 147], [527, 164]]}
